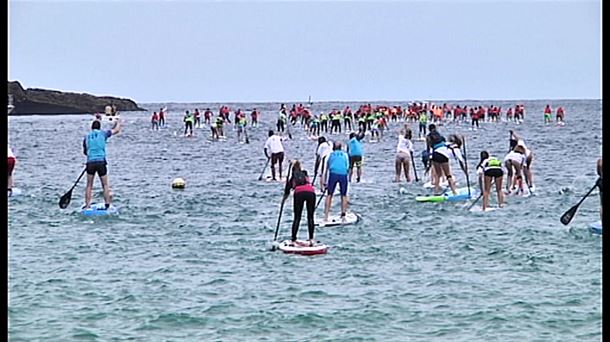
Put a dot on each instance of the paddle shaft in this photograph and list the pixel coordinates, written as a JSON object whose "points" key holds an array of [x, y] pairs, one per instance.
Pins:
{"points": [[315, 173], [264, 168], [78, 180], [481, 195], [279, 218], [466, 165], [414, 169], [320, 200]]}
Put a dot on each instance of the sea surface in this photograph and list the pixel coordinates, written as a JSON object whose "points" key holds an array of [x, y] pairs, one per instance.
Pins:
{"points": [[196, 265]]}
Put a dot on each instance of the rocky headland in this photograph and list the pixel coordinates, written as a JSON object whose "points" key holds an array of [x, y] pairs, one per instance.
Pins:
{"points": [[43, 101]]}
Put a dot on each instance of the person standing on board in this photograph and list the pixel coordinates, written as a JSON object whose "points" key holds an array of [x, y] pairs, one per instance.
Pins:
{"points": [[547, 114], [404, 150], [189, 119], [439, 150], [254, 116], [355, 152], [336, 171], [274, 146], [529, 158], [489, 169], [282, 119], [423, 121], [161, 118], [197, 118], [322, 152], [94, 147], [560, 115], [513, 162], [304, 194], [155, 121], [207, 116], [10, 166]]}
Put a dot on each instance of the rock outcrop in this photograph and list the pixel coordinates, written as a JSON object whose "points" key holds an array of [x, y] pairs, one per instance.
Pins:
{"points": [[42, 101]]}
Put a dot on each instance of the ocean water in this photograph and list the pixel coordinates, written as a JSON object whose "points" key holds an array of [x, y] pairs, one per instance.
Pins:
{"points": [[195, 265]]}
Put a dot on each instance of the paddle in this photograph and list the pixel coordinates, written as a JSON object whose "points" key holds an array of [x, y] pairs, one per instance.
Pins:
{"points": [[279, 218], [414, 169], [315, 174], [475, 201], [466, 165], [264, 168], [65, 199], [568, 215], [320, 200]]}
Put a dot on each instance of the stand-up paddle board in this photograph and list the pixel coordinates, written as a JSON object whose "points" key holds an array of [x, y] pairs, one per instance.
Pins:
{"points": [[302, 247], [335, 220], [99, 209], [14, 192], [462, 195], [596, 228], [479, 209], [444, 184]]}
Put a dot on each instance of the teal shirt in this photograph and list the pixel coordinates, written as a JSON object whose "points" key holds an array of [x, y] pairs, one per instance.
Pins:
{"points": [[338, 163], [354, 147], [95, 145]]}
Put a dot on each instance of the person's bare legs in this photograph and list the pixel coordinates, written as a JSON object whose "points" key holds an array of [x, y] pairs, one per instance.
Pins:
{"points": [[498, 181], [343, 204], [486, 189], [89, 190], [106, 189], [397, 166], [406, 166], [327, 203], [447, 172], [438, 171]]}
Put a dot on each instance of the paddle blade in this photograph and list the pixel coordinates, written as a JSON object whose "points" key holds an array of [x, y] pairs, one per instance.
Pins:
{"points": [[568, 215], [65, 199]]}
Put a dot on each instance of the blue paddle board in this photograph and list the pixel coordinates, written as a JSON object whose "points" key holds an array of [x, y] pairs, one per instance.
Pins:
{"points": [[15, 192], [596, 228], [462, 195], [99, 209]]}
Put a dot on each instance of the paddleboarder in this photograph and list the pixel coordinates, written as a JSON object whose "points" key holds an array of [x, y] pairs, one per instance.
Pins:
{"points": [[10, 166], [439, 150], [322, 152], [337, 169], [189, 119], [355, 152], [404, 149], [488, 169], [304, 194], [94, 147], [274, 146]]}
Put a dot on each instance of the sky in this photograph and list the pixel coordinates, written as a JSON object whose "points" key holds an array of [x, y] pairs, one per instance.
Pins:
{"points": [[286, 51]]}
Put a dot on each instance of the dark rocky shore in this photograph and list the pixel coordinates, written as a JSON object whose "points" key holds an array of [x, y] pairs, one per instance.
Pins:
{"points": [[42, 101]]}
